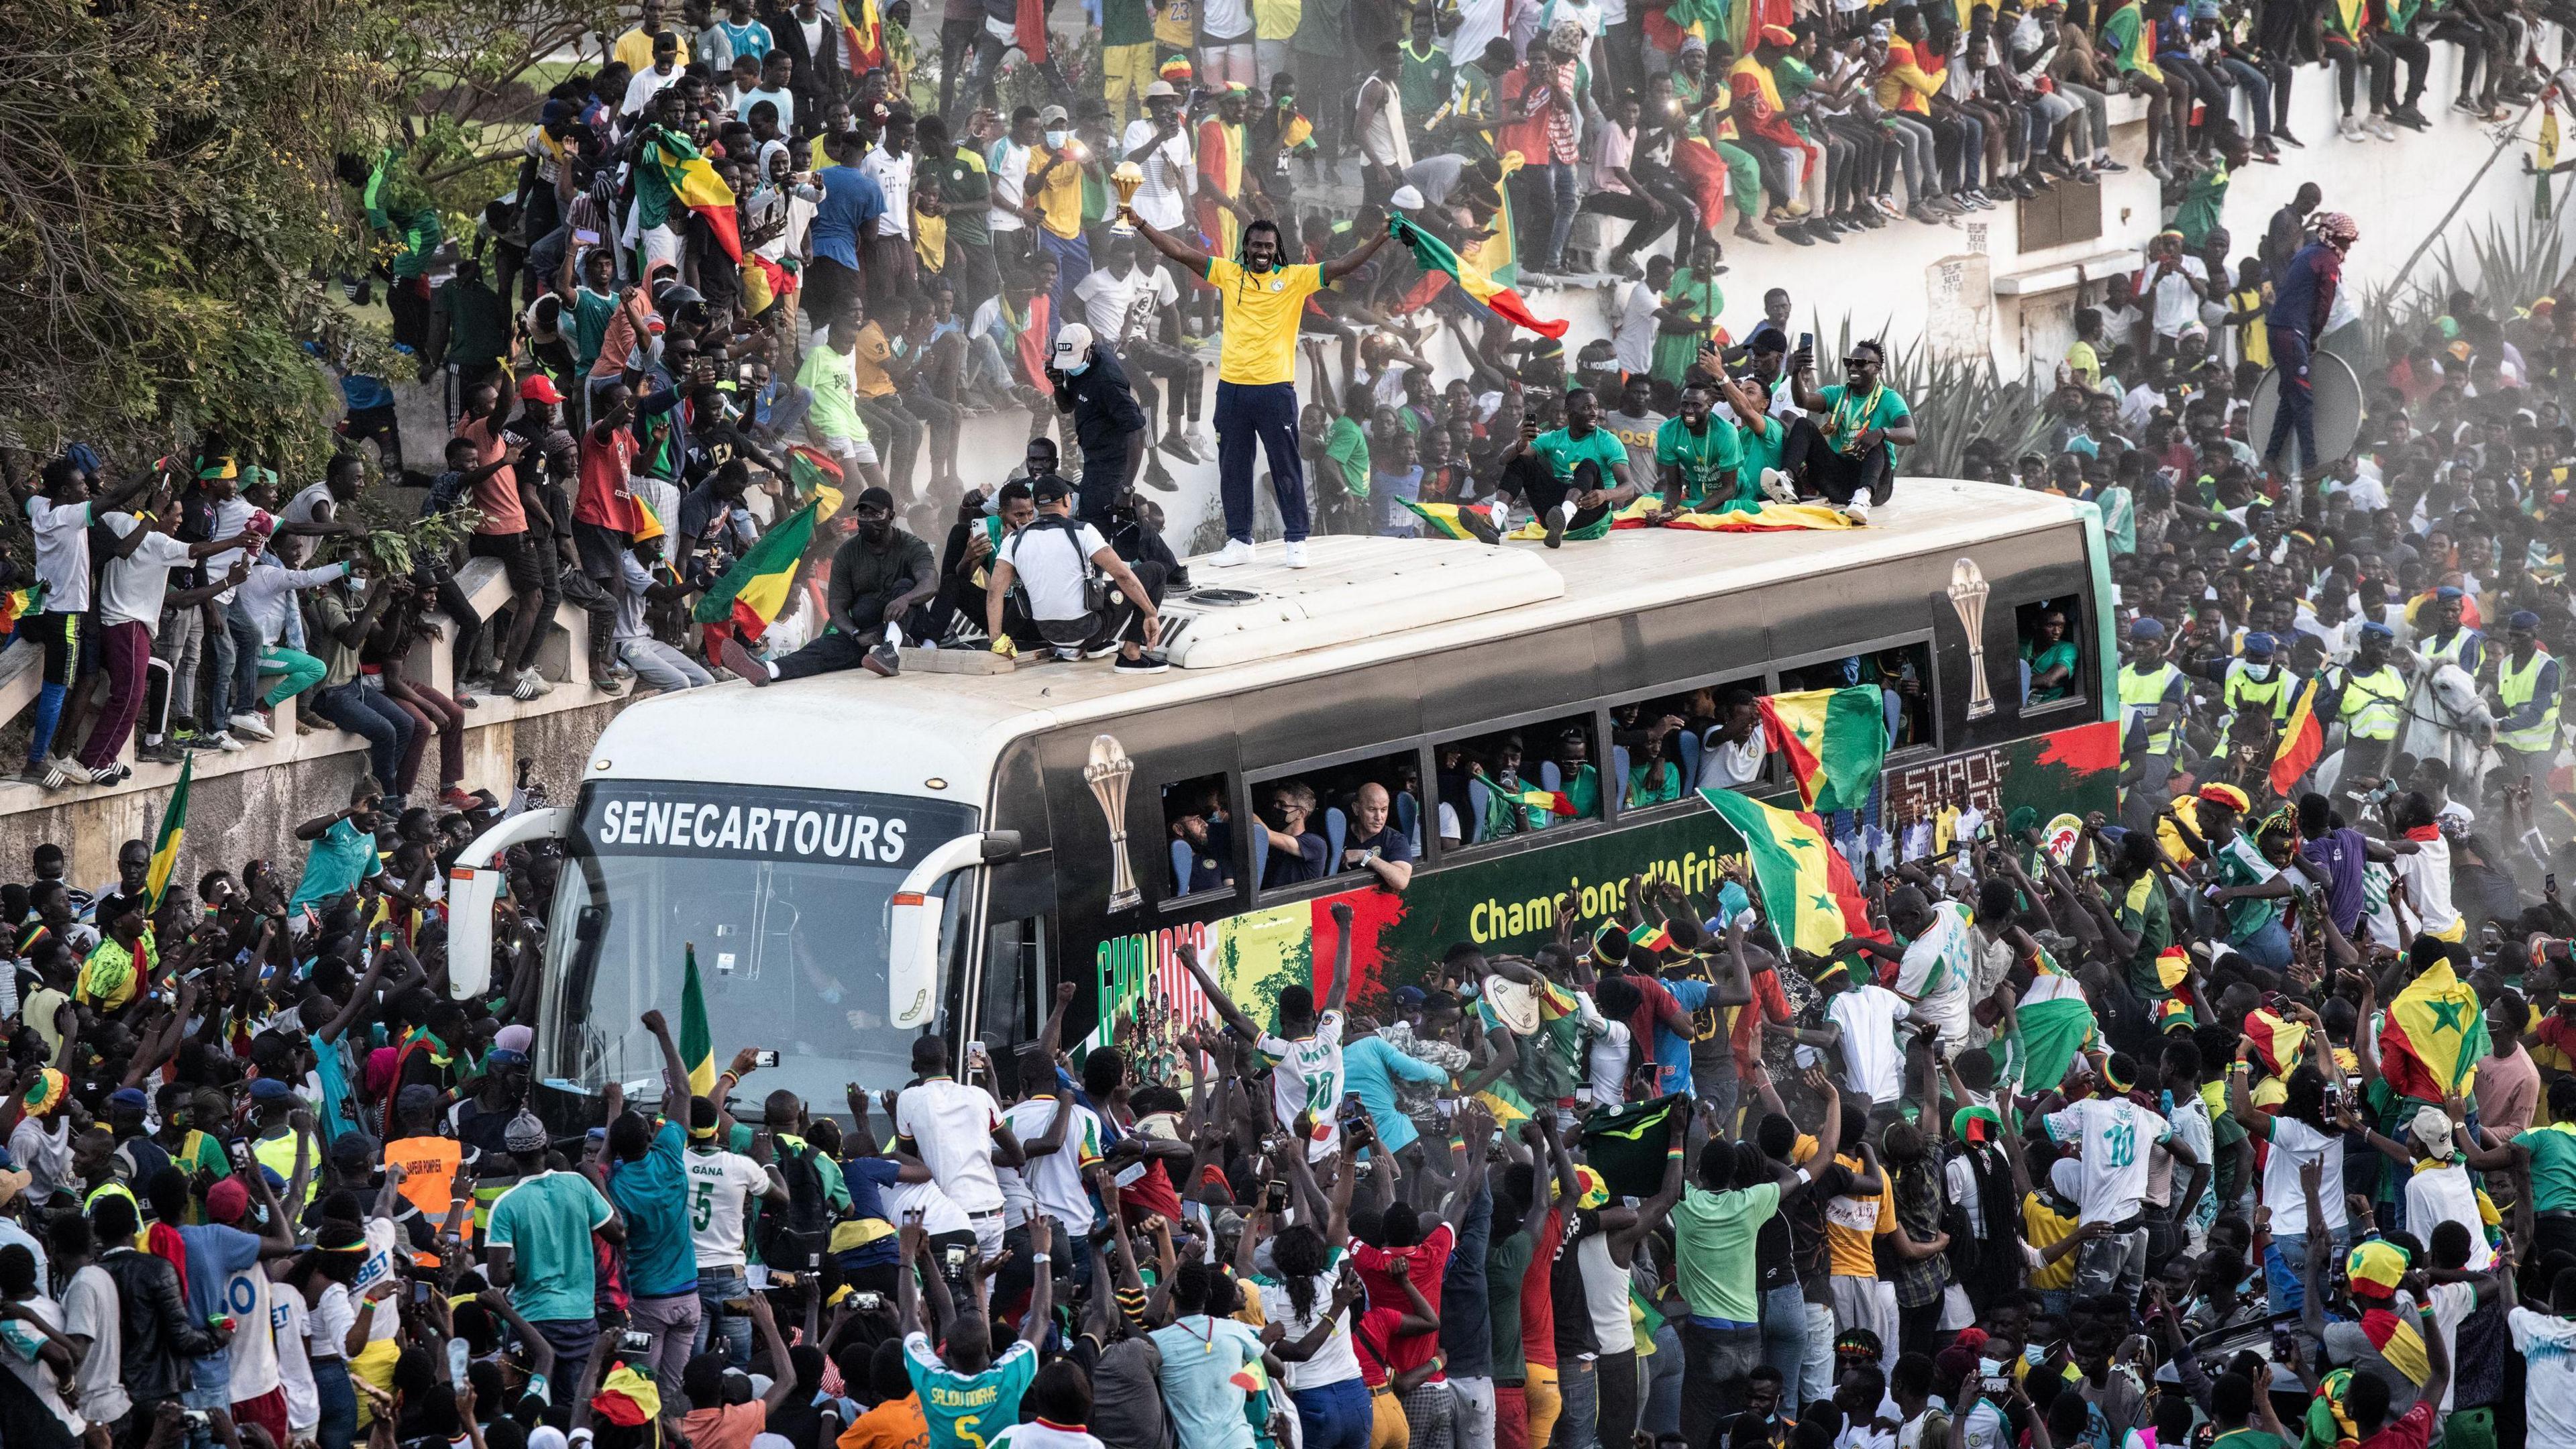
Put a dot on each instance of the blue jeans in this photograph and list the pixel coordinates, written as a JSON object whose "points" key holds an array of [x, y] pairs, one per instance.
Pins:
{"points": [[1567, 199], [385, 725], [2268, 947], [337, 1401], [1335, 1416], [715, 1285], [237, 650], [1663, 1413], [1784, 1337], [1263, 413], [2286, 1262], [1579, 1395], [2258, 92]]}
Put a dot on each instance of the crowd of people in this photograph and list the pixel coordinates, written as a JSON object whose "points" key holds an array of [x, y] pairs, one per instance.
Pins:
{"points": [[2244, 1113]]}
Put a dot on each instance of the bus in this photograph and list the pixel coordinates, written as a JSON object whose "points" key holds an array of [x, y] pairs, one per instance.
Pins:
{"points": [[854, 861]]}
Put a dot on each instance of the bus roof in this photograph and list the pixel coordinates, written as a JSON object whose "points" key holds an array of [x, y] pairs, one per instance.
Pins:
{"points": [[1365, 601]]}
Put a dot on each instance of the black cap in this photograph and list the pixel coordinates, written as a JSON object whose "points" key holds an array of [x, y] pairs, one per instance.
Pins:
{"points": [[875, 498], [1050, 489]]}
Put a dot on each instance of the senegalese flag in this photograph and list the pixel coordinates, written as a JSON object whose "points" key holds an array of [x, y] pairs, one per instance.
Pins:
{"points": [[1554, 802], [1763, 517], [814, 476], [17, 604], [753, 591], [2398, 1342], [174, 831], [2433, 1037], [1626, 1145], [2278, 1040], [694, 184], [697, 1044], [1651, 935], [2051, 1025], [1507, 1104], [1806, 886], [1834, 739], [1434, 255], [1469, 521], [2303, 739], [2329, 1421], [863, 37]]}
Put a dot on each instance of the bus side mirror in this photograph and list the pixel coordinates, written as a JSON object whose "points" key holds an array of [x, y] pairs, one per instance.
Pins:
{"points": [[474, 886], [912, 956]]}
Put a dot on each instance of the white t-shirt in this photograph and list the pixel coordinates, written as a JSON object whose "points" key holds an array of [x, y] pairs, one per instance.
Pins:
{"points": [[2113, 1136], [1170, 175], [1009, 167], [254, 1348], [893, 175], [717, 1182], [286, 1316], [1120, 308], [326, 1328], [1054, 567], [1336, 1362], [939, 1212], [232, 515], [2445, 1194], [1055, 1180], [2547, 1344], [1036, 1434], [1605, 1294], [2295, 1142], [1634, 334], [1309, 1079], [19, 1343], [62, 553], [2427, 873], [1873, 1064], [131, 589], [950, 1126], [1726, 767], [1225, 22], [91, 1307], [1608, 1057], [1937, 971], [647, 84]]}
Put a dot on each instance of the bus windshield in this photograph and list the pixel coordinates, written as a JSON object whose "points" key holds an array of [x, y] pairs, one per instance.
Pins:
{"points": [[784, 894]]}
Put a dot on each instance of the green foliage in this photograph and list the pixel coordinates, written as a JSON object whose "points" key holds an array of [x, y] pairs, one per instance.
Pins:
{"points": [[2511, 264], [1956, 400]]}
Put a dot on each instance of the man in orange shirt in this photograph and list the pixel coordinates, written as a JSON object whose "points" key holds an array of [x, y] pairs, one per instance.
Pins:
{"points": [[711, 1423], [896, 1422], [430, 1164]]}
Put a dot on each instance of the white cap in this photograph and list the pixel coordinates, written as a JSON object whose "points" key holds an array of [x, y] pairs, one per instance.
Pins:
{"points": [[1408, 198], [1071, 345], [1161, 90]]}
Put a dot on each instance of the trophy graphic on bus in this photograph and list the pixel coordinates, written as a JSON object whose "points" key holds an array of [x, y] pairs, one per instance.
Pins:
{"points": [[1968, 591], [1107, 774], [1124, 179]]}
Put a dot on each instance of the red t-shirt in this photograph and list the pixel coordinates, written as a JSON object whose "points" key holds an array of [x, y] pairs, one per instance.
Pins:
{"points": [[1429, 1260], [2412, 1430], [607, 497], [498, 495], [1373, 1337], [1538, 1304], [1769, 1004]]}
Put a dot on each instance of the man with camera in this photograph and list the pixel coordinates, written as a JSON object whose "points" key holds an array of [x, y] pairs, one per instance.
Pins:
{"points": [[1066, 572]]}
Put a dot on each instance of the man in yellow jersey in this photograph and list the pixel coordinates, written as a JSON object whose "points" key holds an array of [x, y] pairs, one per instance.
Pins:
{"points": [[1256, 370]]}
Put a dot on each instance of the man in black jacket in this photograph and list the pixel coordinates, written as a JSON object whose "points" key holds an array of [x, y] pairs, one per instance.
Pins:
{"points": [[880, 578], [1107, 424], [158, 1338]]}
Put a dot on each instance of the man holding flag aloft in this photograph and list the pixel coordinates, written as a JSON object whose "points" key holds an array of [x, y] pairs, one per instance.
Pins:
{"points": [[1256, 371]]}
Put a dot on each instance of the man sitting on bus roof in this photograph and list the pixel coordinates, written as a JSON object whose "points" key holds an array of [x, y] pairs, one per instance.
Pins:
{"points": [[880, 577], [1567, 476], [1062, 565]]}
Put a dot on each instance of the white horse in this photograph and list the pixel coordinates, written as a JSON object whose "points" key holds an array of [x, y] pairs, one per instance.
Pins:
{"points": [[2445, 720]]}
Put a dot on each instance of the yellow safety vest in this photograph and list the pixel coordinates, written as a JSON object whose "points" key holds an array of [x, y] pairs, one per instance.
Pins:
{"points": [[2145, 694], [2243, 691], [2373, 703], [277, 1154], [2514, 689], [2437, 654]]}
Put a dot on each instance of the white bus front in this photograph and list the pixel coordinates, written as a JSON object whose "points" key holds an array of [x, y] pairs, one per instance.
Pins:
{"points": [[821, 922]]}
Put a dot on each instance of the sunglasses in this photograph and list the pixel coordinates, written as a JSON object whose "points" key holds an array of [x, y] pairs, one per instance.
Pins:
{"points": [[1860, 362]]}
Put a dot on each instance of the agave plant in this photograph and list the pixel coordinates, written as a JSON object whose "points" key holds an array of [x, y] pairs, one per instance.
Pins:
{"points": [[1956, 401]]}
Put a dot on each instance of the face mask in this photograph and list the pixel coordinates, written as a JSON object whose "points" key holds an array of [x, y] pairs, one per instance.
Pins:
{"points": [[1057, 138], [2035, 1354], [1077, 369]]}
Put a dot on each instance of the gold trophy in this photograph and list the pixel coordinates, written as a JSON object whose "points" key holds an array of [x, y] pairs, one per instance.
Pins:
{"points": [[1107, 773], [1125, 179], [1968, 589]]}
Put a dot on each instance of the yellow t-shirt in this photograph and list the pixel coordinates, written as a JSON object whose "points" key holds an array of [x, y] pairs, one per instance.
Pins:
{"points": [[1850, 1223], [1261, 320], [2084, 363], [867, 361], [1060, 200], [1177, 24], [2043, 1225], [635, 50], [1276, 19]]}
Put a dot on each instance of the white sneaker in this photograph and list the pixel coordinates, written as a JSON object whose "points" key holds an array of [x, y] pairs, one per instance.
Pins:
{"points": [[253, 726], [1857, 510], [2380, 128], [1777, 486], [224, 741], [2348, 128], [1201, 443], [1297, 554], [1235, 552]]}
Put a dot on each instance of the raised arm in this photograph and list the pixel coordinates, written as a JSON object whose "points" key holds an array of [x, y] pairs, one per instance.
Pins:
{"points": [[1218, 1001], [1341, 957]]}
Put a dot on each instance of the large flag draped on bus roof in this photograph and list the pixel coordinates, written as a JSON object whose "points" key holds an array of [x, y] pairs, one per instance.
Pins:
{"points": [[1834, 740], [1805, 885]]}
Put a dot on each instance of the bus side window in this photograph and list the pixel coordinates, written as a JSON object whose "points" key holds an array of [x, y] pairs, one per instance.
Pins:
{"points": [[1903, 673], [1198, 826], [2052, 663], [1662, 749], [1518, 781], [1334, 819]]}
